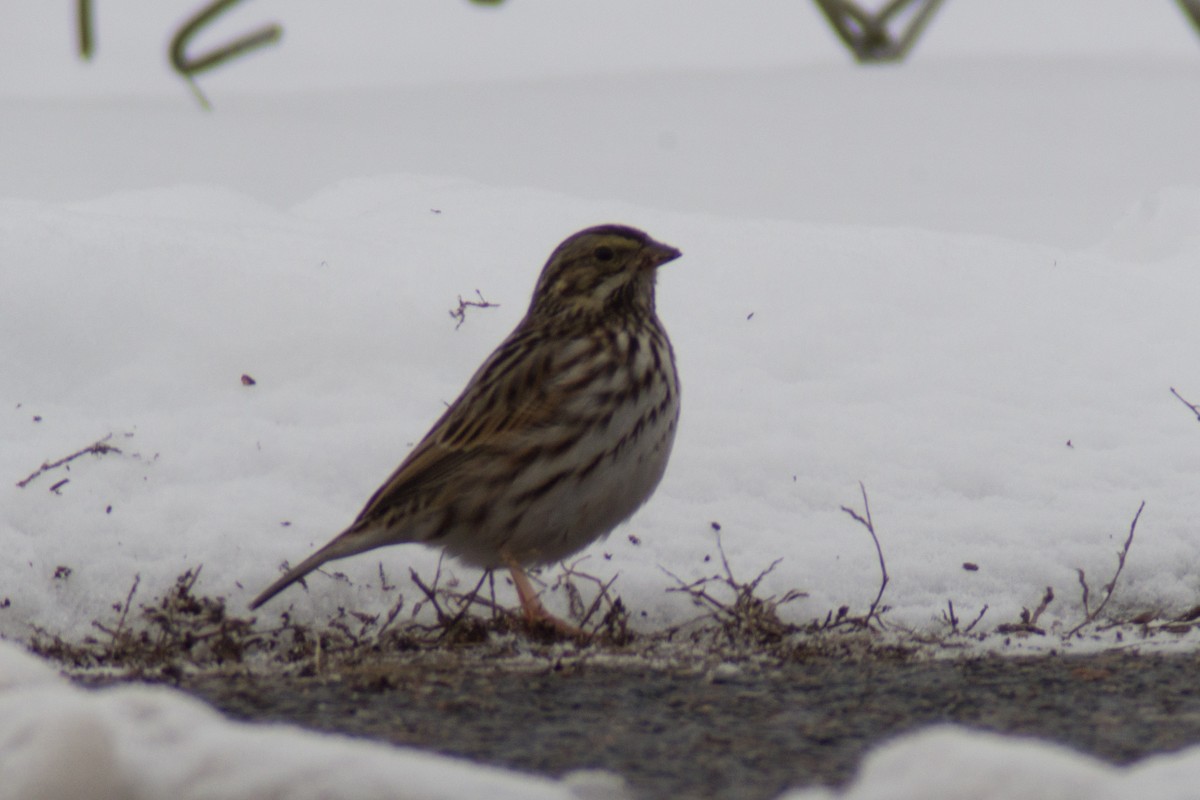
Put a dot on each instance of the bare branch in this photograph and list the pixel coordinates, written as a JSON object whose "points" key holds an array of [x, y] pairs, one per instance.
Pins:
{"points": [[99, 447], [866, 522], [1087, 612], [1110, 587], [1047, 599], [748, 617], [392, 614], [971, 627], [430, 595], [1028, 623], [950, 617], [1194, 408]]}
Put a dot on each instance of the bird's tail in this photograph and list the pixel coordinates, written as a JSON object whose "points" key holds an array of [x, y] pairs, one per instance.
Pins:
{"points": [[348, 543]]}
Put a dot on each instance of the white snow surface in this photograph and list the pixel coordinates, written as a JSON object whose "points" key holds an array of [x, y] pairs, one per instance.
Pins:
{"points": [[132, 742], [968, 282]]}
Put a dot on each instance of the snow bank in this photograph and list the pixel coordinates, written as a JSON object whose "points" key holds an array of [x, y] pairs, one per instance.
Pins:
{"points": [[1006, 405], [950, 763], [125, 743]]}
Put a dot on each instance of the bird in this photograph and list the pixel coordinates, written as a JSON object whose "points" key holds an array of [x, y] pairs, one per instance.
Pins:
{"points": [[561, 434]]}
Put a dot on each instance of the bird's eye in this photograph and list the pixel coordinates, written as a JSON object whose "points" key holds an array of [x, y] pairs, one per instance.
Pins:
{"points": [[604, 253]]}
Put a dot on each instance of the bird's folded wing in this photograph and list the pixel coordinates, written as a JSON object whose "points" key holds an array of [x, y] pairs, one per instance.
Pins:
{"points": [[510, 394]]}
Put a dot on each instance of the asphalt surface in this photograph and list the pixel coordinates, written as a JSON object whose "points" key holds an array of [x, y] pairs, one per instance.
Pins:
{"points": [[740, 730]]}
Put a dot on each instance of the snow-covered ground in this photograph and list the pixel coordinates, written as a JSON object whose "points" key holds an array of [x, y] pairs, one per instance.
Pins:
{"points": [[968, 282]]}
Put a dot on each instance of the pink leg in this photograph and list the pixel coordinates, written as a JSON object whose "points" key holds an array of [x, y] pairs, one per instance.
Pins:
{"points": [[535, 613]]}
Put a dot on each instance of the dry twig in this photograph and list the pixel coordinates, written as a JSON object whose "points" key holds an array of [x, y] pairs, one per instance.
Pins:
{"points": [[460, 313], [1194, 408], [1028, 623], [875, 610], [614, 624], [99, 447], [1090, 615], [952, 620], [748, 618]]}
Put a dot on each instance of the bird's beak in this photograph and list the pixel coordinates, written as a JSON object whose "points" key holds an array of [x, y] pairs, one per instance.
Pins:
{"points": [[657, 254]]}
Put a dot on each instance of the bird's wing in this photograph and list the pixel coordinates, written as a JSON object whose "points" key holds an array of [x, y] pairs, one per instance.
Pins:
{"points": [[513, 391], [521, 387]]}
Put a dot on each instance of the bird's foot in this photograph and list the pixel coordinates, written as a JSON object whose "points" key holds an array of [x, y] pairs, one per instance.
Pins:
{"points": [[543, 624], [538, 620]]}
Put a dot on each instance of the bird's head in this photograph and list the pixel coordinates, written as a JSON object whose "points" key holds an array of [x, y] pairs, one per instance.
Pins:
{"points": [[598, 272]]}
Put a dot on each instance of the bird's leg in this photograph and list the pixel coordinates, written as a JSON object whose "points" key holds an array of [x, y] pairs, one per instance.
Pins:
{"points": [[536, 615]]}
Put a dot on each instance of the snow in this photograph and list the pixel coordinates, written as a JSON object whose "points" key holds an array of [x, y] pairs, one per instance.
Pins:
{"points": [[130, 742], [946, 372], [946, 762], [963, 281]]}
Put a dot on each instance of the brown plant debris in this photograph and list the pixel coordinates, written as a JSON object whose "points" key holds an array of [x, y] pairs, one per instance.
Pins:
{"points": [[98, 447]]}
